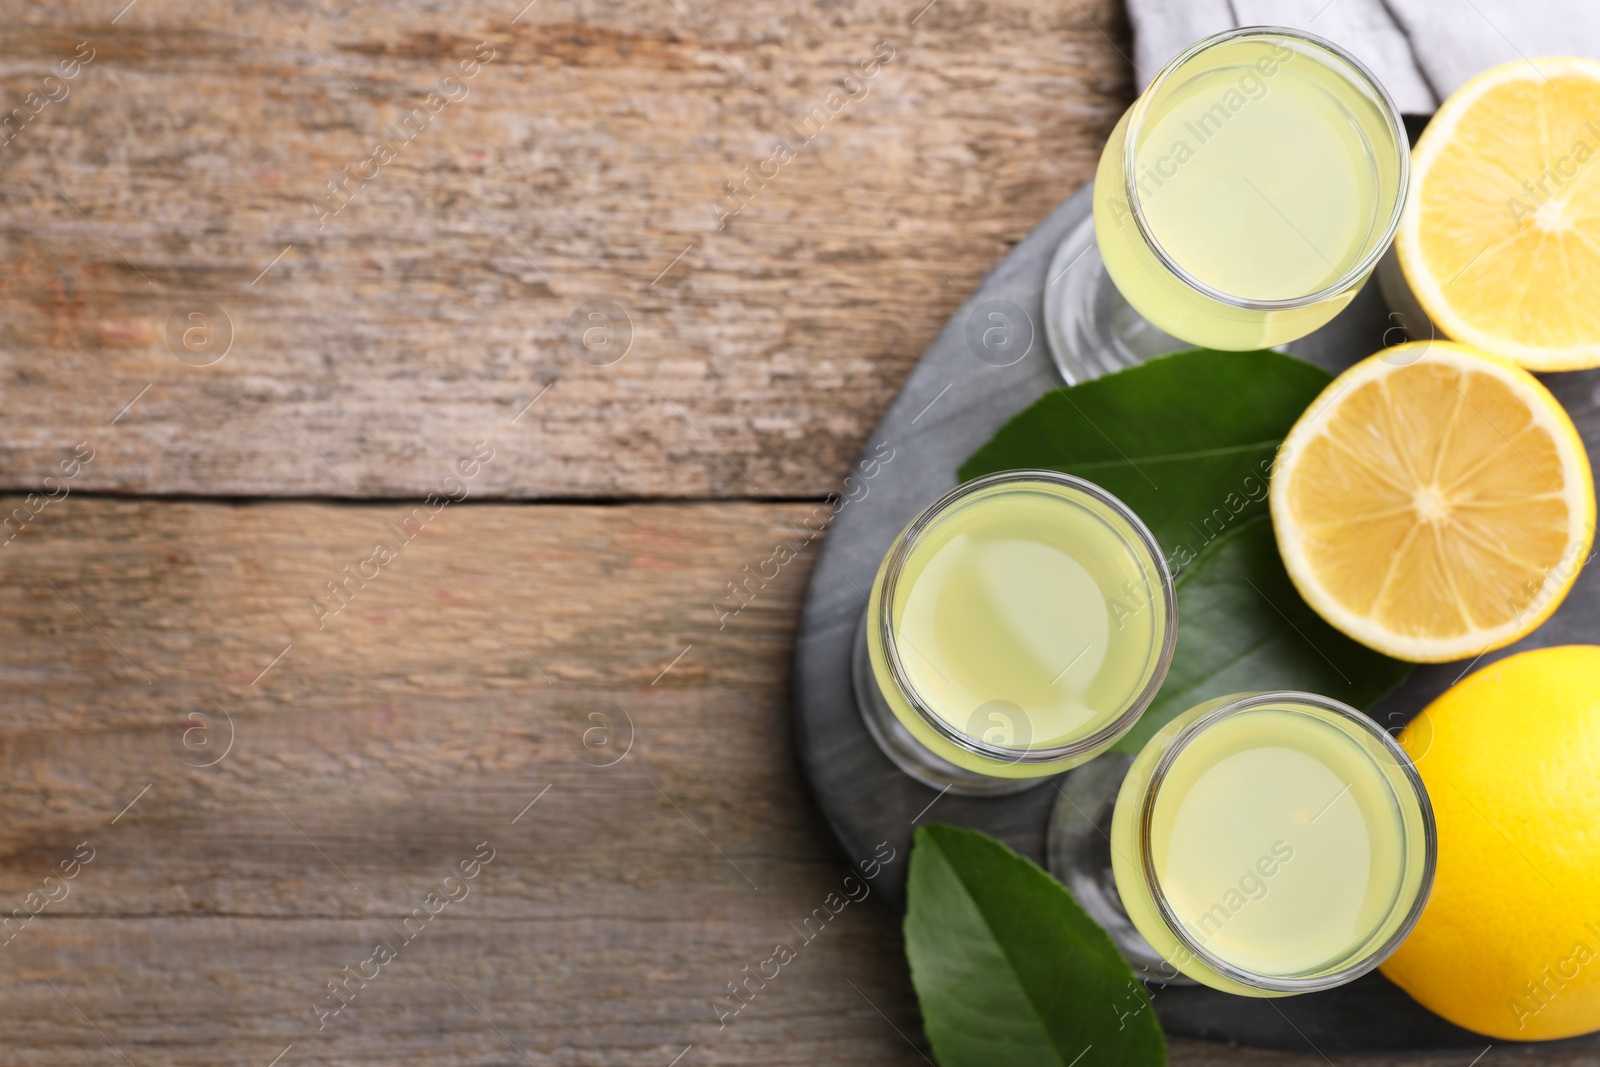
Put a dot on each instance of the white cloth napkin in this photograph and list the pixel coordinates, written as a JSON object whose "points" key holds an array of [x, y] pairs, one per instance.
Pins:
{"points": [[1422, 50]]}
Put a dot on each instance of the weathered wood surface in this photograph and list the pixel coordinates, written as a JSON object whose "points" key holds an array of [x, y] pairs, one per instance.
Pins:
{"points": [[372, 753], [380, 750], [194, 147]]}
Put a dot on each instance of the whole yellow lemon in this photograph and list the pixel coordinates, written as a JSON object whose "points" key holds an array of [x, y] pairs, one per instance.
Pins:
{"points": [[1509, 943]]}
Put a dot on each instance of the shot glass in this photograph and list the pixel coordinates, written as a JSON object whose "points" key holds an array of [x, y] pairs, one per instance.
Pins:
{"points": [[1267, 844], [1016, 628], [1241, 202]]}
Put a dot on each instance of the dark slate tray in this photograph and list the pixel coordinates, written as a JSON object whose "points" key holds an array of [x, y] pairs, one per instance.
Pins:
{"points": [[953, 403]]}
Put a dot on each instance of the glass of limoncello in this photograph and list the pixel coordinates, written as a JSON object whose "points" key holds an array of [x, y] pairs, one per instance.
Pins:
{"points": [[1267, 844], [1016, 628], [1240, 203]]}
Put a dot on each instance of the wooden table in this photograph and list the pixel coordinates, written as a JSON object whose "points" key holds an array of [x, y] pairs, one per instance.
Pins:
{"points": [[383, 497]]}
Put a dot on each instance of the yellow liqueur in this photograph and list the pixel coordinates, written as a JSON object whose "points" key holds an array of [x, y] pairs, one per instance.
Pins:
{"points": [[1242, 201], [1019, 626], [1272, 843]]}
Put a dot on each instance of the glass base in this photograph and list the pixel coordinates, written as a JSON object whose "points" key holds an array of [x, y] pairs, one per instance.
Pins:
{"points": [[1079, 853], [1091, 329], [909, 754]]}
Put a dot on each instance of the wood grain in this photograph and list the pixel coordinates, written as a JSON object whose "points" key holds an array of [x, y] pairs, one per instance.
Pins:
{"points": [[424, 315], [381, 750]]}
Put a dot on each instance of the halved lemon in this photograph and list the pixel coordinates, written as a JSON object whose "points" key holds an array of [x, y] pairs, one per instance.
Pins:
{"points": [[1434, 503], [1500, 237]]}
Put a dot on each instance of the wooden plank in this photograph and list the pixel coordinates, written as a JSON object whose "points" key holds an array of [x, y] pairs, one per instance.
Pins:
{"points": [[380, 750], [420, 720], [371, 347]]}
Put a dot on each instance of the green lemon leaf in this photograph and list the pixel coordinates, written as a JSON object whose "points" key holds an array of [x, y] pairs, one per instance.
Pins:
{"points": [[1242, 626], [1008, 969], [1186, 440]]}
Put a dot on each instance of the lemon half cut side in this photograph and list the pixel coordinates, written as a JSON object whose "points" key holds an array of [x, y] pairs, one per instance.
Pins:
{"points": [[1434, 503], [1500, 236]]}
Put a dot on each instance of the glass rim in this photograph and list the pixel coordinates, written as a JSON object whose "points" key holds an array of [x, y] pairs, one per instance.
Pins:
{"points": [[1363, 76], [1112, 730], [1281, 983]]}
